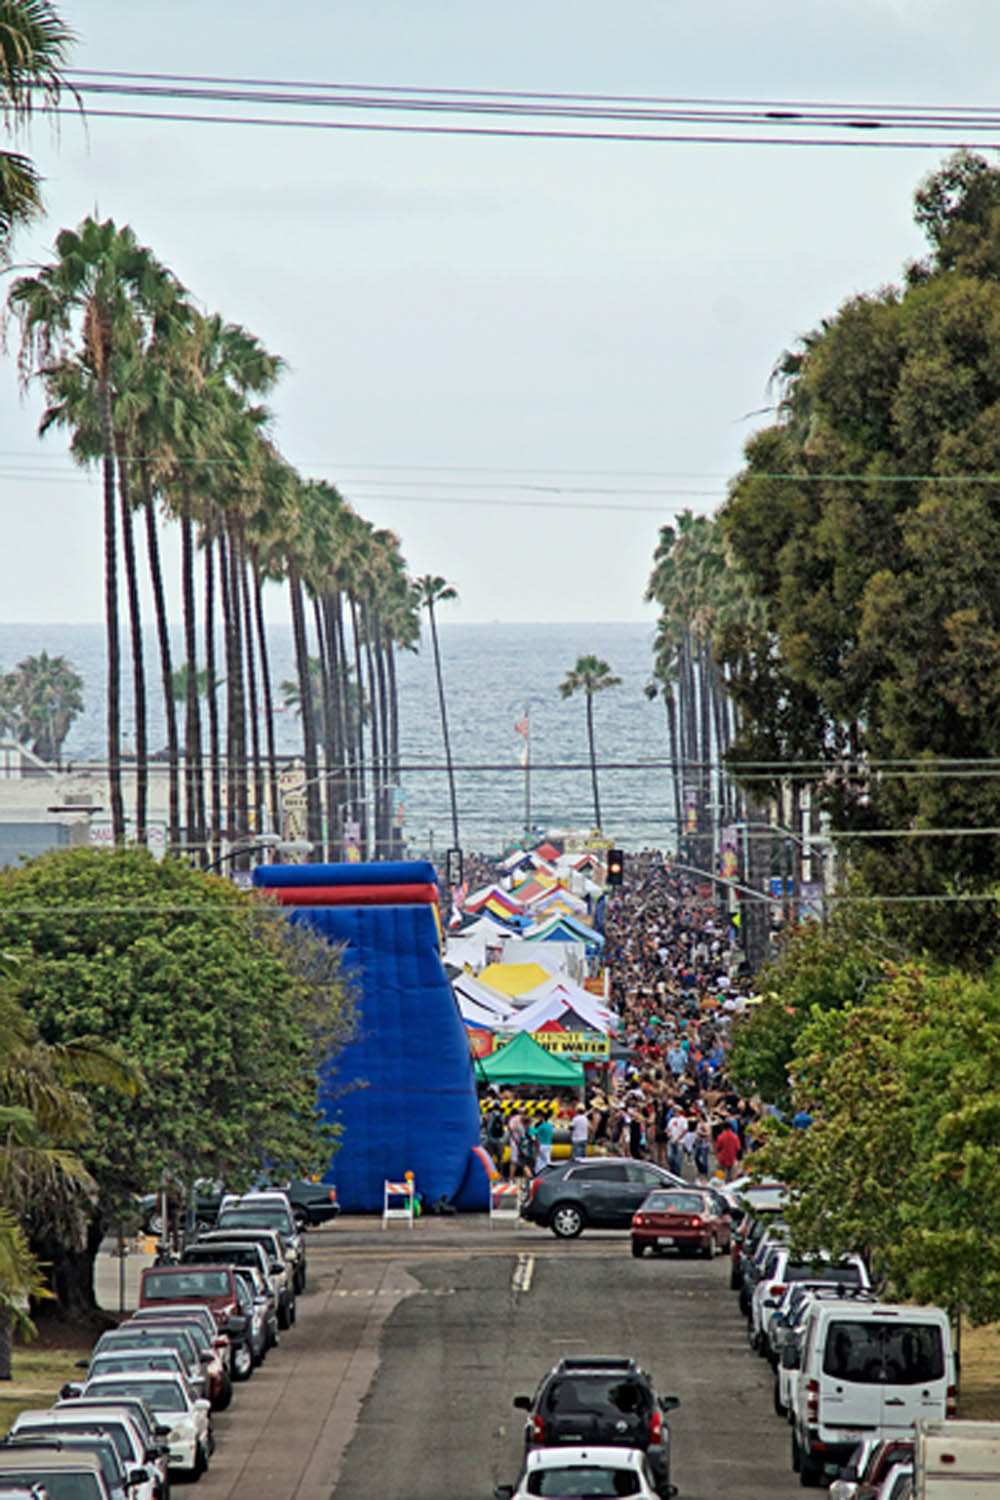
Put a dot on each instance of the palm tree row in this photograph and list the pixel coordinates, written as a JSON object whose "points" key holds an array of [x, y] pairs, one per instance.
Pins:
{"points": [[169, 403], [699, 595]]}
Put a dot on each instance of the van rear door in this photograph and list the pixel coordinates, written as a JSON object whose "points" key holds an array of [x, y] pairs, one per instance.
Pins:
{"points": [[885, 1372]]}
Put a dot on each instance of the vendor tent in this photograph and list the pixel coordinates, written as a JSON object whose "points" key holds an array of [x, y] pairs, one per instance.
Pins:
{"points": [[579, 1012], [524, 1061], [467, 987], [515, 979], [573, 997]]}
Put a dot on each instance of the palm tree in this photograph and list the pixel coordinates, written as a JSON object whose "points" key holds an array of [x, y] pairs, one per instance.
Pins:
{"points": [[34, 43], [431, 591], [590, 675], [96, 302], [40, 700]]}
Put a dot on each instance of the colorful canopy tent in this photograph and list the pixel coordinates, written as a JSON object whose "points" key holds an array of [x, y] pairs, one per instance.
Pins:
{"points": [[514, 979], [592, 1007], [524, 1061], [565, 958], [467, 987], [559, 1009], [493, 896], [547, 851], [418, 1110], [563, 928]]}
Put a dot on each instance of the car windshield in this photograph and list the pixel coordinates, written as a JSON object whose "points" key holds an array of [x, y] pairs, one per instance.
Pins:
{"points": [[96, 1404], [118, 1364], [589, 1480], [103, 1451], [167, 1338], [226, 1255], [883, 1353], [160, 1395], [114, 1431], [675, 1203], [608, 1394], [256, 1218], [58, 1485], [174, 1286], [801, 1270]]}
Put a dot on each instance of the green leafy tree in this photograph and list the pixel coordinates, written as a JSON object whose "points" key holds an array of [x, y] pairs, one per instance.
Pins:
{"points": [[863, 524], [590, 676], [227, 1010]]}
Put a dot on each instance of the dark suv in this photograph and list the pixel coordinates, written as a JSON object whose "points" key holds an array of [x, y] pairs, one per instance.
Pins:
{"points": [[594, 1400], [599, 1192]]}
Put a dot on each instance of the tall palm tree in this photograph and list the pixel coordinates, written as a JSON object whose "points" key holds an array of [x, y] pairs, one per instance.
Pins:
{"points": [[34, 47], [97, 300], [589, 676], [431, 591]]}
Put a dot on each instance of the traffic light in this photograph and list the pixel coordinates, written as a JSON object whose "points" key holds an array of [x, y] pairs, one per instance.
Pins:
{"points": [[616, 867], [453, 867]]}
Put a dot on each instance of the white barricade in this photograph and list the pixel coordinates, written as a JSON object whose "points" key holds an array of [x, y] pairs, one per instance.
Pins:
{"points": [[505, 1203], [393, 1210]]}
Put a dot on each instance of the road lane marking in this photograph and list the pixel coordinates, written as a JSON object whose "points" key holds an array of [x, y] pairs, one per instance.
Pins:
{"points": [[524, 1270]]}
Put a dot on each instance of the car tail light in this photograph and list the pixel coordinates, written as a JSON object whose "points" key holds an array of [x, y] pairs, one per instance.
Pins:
{"points": [[533, 1187], [776, 1289], [638, 1220], [951, 1402], [332, 1195], [812, 1402], [695, 1221], [656, 1427], [538, 1428]]}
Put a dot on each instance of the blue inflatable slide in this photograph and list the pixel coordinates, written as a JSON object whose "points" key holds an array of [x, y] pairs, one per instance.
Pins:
{"points": [[404, 1089]]}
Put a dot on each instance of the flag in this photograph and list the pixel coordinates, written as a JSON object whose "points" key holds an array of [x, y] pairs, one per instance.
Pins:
{"points": [[521, 727]]}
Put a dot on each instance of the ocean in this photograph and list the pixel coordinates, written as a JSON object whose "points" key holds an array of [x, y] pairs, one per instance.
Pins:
{"points": [[492, 674]]}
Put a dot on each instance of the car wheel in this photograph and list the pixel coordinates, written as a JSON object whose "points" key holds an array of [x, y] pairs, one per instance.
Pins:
{"points": [[796, 1454], [638, 1249], [293, 1312], [284, 1320], [200, 1463], [566, 1221], [301, 1221], [300, 1282], [779, 1410], [810, 1473], [242, 1363], [708, 1251], [225, 1395], [735, 1281]]}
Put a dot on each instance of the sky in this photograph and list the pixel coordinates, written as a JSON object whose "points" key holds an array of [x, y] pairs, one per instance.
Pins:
{"points": [[481, 332]]}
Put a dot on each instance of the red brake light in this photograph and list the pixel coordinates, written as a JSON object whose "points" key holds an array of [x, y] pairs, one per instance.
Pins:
{"points": [[332, 1195], [538, 1428], [951, 1402], [638, 1219], [777, 1290], [695, 1221], [533, 1187], [656, 1427], [812, 1401]]}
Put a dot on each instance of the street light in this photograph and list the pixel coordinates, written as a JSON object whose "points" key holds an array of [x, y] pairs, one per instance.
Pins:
{"points": [[263, 841]]}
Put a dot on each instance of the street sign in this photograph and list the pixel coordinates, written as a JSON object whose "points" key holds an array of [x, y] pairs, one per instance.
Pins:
{"points": [[453, 867]]}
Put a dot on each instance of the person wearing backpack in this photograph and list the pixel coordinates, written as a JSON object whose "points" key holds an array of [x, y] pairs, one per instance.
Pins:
{"points": [[496, 1134]]}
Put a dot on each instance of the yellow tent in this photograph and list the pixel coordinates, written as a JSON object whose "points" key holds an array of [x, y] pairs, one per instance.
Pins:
{"points": [[514, 979]]}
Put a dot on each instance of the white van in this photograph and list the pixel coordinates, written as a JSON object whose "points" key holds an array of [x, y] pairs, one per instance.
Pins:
{"points": [[957, 1461], [867, 1370]]}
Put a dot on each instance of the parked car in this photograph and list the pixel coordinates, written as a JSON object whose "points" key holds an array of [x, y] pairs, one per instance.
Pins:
{"points": [[260, 1309], [681, 1219], [956, 1460], [118, 1428], [897, 1484], [262, 1248], [120, 1484], [269, 1211], [598, 1472], [190, 1438], [214, 1287], [748, 1231], [154, 1434], [312, 1203], [781, 1269], [136, 1361], [61, 1476], [871, 1370], [867, 1467], [213, 1353], [599, 1193], [601, 1401]]}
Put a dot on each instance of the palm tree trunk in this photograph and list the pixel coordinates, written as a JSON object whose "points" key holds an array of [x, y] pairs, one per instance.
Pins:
{"points": [[373, 726], [359, 741], [259, 809], [166, 663], [6, 1345], [113, 641], [194, 796], [232, 757], [265, 678], [336, 735], [138, 663], [396, 837], [212, 683], [382, 830], [675, 769], [314, 831], [346, 706], [444, 729], [326, 724], [593, 761]]}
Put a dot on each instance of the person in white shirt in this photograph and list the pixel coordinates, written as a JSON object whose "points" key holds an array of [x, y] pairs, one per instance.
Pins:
{"points": [[579, 1131]]}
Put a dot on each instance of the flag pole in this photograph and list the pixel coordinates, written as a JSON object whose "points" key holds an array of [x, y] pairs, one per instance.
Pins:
{"points": [[527, 770]]}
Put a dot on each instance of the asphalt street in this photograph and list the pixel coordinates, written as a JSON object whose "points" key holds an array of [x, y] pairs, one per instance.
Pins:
{"points": [[397, 1380]]}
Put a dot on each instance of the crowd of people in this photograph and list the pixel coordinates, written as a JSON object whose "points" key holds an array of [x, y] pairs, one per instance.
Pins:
{"points": [[675, 971]]}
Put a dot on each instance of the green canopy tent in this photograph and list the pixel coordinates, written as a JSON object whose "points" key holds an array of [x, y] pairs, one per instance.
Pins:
{"points": [[524, 1061]]}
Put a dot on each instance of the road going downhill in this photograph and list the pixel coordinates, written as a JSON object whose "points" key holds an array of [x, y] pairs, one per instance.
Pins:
{"points": [[398, 1378]]}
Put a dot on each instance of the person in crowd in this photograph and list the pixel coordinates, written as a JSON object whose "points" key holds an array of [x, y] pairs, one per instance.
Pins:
{"points": [[579, 1130], [728, 1149]]}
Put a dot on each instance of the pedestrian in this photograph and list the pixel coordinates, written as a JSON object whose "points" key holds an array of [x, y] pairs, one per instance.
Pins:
{"points": [[496, 1131], [728, 1149], [579, 1131], [702, 1148], [544, 1134], [677, 1127], [517, 1134]]}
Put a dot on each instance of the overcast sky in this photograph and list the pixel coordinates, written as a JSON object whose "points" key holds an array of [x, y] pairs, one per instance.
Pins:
{"points": [[450, 305]]}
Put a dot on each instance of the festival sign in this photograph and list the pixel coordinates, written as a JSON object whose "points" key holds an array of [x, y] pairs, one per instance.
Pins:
{"points": [[581, 1044]]}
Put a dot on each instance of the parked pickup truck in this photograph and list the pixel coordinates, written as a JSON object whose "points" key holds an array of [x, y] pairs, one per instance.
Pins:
{"points": [[957, 1461]]}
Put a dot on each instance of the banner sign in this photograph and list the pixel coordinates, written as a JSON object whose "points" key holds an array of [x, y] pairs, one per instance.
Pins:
{"points": [[582, 1044]]}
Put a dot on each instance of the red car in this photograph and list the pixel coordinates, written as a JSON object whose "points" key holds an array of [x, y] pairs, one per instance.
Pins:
{"points": [[682, 1219], [211, 1286]]}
